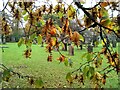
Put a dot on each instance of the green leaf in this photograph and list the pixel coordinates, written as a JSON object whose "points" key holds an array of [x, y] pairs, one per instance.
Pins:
{"points": [[69, 77], [104, 17], [39, 39], [24, 12], [39, 83], [26, 17], [71, 12], [20, 42], [66, 62], [106, 22], [32, 36], [29, 43], [96, 43], [6, 75], [99, 59], [81, 38], [89, 57], [85, 71], [92, 70], [39, 24], [84, 55], [60, 14]]}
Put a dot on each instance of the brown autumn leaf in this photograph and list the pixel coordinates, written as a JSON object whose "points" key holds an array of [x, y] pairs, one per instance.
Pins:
{"points": [[114, 62], [104, 78], [49, 48], [53, 41], [61, 58], [75, 37], [103, 51], [49, 59], [65, 26], [31, 81], [53, 31], [27, 53], [87, 22], [104, 4]]}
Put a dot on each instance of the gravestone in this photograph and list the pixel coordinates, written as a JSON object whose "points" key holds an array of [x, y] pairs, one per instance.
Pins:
{"points": [[3, 39], [114, 43], [13, 39], [114, 40], [71, 50], [90, 48]]}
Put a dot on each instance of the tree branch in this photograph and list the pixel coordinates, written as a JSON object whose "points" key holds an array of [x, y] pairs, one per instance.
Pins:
{"points": [[101, 35], [92, 18], [5, 6]]}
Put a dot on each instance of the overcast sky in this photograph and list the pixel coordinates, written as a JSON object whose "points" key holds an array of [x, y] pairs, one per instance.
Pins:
{"points": [[89, 3]]}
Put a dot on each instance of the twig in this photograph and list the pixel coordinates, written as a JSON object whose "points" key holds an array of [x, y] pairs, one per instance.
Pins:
{"points": [[84, 64], [105, 68], [109, 71], [19, 75]]}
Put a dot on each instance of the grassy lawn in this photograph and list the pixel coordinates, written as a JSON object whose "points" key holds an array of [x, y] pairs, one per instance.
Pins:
{"points": [[52, 73]]}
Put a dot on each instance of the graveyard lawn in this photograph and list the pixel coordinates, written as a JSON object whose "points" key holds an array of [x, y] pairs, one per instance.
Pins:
{"points": [[52, 73]]}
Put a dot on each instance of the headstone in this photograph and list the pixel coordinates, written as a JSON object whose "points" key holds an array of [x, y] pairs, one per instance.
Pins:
{"points": [[90, 48], [71, 50], [13, 39], [114, 43], [3, 39], [118, 39]]}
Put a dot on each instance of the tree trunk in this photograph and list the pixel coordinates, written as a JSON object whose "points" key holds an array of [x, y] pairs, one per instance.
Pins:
{"points": [[81, 47], [65, 47], [3, 39]]}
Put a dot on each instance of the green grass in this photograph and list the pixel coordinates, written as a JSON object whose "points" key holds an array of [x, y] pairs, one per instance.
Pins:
{"points": [[52, 73]]}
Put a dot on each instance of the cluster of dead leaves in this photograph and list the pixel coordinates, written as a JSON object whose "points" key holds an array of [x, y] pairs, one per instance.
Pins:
{"points": [[75, 38], [6, 29], [27, 53], [49, 28]]}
